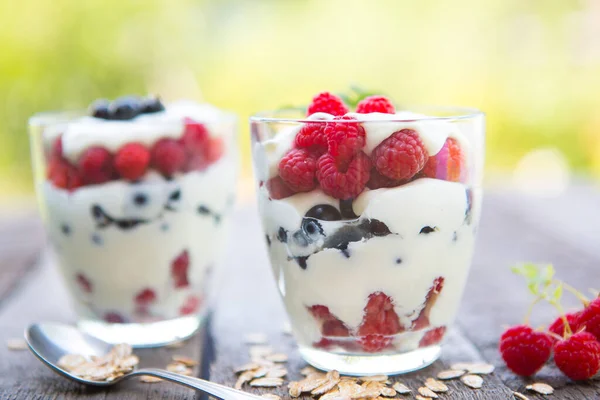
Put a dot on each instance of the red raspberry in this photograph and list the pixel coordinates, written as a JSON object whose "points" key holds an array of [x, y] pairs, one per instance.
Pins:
{"points": [[344, 139], [578, 357], [278, 189], [590, 318], [377, 181], [433, 336], [448, 164], [343, 184], [401, 156], [422, 321], [195, 137], [327, 103], [558, 326], [168, 156], [145, 297], [380, 104], [297, 169], [330, 324], [57, 147], [84, 283], [132, 160], [179, 270], [216, 148], [63, 175], [524, 350], [374, 343], [191, 305], [379, 318], [312, 136], [114, 318], [96, 165]]}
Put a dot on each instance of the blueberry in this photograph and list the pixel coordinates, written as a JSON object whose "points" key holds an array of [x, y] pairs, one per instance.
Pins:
{"points": [[324, 212], [427, 230], [176, 195], [378, 228], [125, 108], [151, 105], [99, 109], [398, 260], [302, 262], [140, 199], [66, 229], [347, 210]]}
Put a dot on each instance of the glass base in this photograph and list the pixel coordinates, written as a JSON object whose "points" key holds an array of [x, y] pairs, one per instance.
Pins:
{"points": [[151, 334], [362, 365]]}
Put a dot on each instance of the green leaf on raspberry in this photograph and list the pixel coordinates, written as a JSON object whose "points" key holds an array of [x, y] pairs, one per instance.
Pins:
{"points": [[557, 293]]}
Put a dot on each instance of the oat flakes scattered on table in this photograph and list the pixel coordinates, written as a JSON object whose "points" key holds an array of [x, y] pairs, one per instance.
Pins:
{"points": [[16, 344], [477, 368], [426, 392], [472, 381], [187, 361], [520, 396], [150, 379], [541, 388], [401, 388], [116, 363], [451, 374], [436, 386]]}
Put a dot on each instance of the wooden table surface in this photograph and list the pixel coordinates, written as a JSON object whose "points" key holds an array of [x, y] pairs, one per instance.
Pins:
{"points": [[564, 230]]}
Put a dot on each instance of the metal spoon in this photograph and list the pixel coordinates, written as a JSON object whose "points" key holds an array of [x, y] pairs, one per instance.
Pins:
{"points": [[50, 341]]}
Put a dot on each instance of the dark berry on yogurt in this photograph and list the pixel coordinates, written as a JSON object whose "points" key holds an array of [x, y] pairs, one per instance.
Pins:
{"points": [[99, 109], [324, 212], [151, 105], [125, 108]]}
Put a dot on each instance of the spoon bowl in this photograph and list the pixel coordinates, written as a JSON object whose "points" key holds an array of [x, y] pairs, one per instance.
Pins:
{"points": [[50, 341]]}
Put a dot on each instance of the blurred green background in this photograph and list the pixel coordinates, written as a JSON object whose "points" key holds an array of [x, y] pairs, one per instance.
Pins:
{"points": [[533, 66]]}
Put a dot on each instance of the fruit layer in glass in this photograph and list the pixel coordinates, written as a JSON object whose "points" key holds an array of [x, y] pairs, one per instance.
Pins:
{"points": [[136, 198], [370, 220]]}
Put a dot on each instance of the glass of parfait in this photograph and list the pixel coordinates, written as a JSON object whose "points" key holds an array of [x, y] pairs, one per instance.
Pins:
{"points": [[136, 196], [370, 218]]}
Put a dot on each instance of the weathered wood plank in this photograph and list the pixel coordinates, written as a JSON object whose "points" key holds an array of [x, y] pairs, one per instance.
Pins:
{"points": [[21, 241], [22, 376]]}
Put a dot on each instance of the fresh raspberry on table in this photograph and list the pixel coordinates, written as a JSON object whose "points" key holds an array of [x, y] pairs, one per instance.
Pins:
{"points": [[343, 183], [132, 160], [448, 164], [374, 343], [378, 181], [379, 317], [312, 136], [327, 103], [145, 297], [96, 166], [278, 189], [191, 305], [578, 357], [371, 104], [297, 169], [330, 324], [179, 270], [344, 138], [558, 326], [84, 283], [590, 318], [168, 156], [401, 156], [433, 336], [524, 350]]}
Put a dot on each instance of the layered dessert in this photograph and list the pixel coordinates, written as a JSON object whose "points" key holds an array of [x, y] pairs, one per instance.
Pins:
{"points": [[370, 220], [136, 198]]}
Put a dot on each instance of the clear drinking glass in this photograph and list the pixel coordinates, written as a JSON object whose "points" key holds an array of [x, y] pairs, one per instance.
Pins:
{"points": [[371, 268], [137, 254]]}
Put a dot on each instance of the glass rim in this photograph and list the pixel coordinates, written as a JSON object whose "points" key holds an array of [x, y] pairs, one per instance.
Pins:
{"points": [[49, 117], [456, 113]]}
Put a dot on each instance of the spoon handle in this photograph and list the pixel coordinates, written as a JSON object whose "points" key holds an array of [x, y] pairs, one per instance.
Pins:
{"points": [[214, 389]]}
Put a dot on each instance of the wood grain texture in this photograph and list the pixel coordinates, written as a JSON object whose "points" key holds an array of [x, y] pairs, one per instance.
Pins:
{"points": [[21, 241]]}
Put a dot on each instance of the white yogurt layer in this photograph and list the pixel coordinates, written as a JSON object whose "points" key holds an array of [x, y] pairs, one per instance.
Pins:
{"points": [[378, 127], [120, 263], [344, 284], [83, 132]]}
